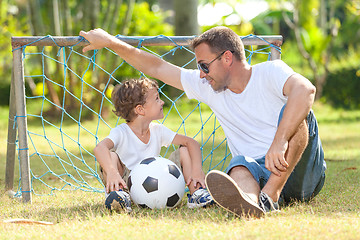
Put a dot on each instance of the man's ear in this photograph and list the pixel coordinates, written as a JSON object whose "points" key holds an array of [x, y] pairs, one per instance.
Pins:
{"points": [[139, 110], [228, 56]]}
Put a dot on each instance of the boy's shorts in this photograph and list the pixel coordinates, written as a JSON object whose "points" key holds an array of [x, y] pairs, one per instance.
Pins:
{"points": [[174, 157], [307, 178]]}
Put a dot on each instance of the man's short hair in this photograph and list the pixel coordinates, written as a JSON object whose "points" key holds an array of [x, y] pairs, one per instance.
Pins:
{"points": [[220, 39], [128, 95]]}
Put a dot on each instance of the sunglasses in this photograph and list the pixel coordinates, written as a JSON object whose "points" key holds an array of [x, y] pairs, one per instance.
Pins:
{"points": [[205, 66]]}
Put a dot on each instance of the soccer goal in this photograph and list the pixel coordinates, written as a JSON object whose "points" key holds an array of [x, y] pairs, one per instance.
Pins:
{"points": [[60, 108]]}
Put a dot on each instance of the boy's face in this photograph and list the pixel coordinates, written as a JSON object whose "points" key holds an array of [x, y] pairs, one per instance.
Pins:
{"points": [[154, 105]]}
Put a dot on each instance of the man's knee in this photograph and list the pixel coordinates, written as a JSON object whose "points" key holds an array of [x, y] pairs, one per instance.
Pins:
{"points": [[240, 172], [238, 169], [303, 132], [299, 141]]}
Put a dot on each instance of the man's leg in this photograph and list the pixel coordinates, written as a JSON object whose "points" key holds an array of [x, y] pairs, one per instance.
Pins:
{"points": [[246, 181], [227, 194], [303, 179], [239, 191], [296, 147], [248, 184], [308, 177]]}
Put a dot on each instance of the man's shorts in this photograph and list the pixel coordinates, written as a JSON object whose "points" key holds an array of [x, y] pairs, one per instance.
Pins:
{"points": [[308, 177]]}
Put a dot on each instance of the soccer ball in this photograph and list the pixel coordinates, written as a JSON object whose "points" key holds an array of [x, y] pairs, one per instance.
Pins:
{"points": [[156, 183]]}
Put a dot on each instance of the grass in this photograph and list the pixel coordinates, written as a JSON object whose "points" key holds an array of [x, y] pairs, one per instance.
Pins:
{"points": [[333, 214]]}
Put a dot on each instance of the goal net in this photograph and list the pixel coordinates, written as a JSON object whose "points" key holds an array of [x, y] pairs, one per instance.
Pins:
{"points": [[60, 108]]}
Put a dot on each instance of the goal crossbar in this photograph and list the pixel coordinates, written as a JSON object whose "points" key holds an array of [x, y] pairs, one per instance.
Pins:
{"points": [[62, 41]]}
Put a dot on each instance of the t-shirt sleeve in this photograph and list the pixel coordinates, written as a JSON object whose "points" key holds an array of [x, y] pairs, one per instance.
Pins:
{"points": [[194, 86], [166, 135], [280, 73], [116, 135]]}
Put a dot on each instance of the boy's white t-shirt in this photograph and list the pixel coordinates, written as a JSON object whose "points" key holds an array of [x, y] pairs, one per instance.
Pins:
{"points": [[131, 150], [249, 119]]}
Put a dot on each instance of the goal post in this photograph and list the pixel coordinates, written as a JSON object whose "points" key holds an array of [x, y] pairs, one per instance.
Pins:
{"points": [[19, 134]]}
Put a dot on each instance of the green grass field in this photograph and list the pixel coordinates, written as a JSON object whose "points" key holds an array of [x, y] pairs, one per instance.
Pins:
{"points": [[333, 214]]}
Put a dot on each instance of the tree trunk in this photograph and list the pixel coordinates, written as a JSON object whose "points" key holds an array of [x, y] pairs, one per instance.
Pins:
{"points": [[168, 6], [126, 22], [68, 31], [186, 24], [38, 29]]}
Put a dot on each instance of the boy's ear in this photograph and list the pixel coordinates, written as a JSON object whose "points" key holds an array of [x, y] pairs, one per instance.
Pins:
{"points": [[139, 110]]}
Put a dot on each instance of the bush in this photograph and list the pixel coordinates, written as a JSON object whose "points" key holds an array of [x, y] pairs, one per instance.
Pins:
{"points": [[342, 88]]}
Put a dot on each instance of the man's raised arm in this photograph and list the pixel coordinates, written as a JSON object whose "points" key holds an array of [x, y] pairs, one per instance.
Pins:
{"points": [[143, 61]]}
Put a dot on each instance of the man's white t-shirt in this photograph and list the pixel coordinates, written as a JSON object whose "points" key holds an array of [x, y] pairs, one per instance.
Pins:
{"points": [[249, 119], [131, 150]]}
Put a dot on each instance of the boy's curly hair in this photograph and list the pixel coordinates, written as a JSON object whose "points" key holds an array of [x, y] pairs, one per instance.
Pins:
{"points": [[128, 95]]}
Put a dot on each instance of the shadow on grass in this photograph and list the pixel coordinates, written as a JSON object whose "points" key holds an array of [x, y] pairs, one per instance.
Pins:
{"points": [[89, 211]]}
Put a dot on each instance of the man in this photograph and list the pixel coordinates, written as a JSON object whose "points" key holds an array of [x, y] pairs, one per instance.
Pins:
{"points": [[265, 111]]}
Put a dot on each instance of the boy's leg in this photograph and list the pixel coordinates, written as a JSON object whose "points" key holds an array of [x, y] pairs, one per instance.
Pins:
{"points": [[117, 200], [181, 157], [175, 158], [123, 170], [198, 196]]}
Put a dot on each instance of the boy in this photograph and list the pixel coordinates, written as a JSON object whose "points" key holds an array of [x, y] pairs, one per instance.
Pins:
{"points": [[138, 102]]}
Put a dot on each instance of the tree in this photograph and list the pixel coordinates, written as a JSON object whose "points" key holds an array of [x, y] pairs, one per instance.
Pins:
{"points": [[186, 24], [314, 35], [38, 29]]}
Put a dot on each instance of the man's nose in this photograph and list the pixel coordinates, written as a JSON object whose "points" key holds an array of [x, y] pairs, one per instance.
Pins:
{"points": [[202, 74]]}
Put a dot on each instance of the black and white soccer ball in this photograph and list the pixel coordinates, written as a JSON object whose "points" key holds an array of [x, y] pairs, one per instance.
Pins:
{"points": [[156, 183]]}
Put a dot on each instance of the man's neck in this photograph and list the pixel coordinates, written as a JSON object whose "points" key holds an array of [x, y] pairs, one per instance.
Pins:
{"points": [[240, 76]]}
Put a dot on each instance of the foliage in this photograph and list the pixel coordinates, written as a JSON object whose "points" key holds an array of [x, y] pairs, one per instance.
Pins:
{"points": [[348, 13], [68, 18], [11, 25], [148, 23], [342, 88]]}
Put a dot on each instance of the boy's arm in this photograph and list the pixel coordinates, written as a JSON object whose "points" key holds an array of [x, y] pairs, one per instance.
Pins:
{"points": [[143, 61], [114, 180], [197, 174]]}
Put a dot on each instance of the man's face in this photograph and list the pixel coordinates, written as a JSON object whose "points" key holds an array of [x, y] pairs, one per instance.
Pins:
{"points": [[211, 67]]}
